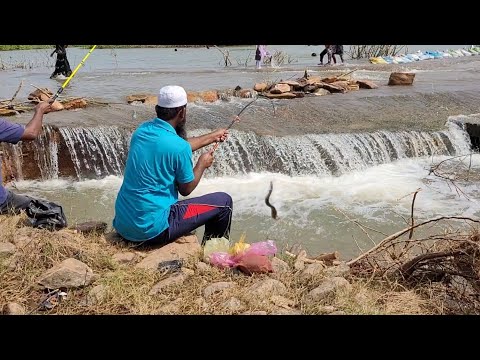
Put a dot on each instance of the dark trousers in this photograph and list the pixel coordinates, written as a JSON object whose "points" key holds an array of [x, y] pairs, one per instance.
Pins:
{"points": [[14, 204], [212, 210], [330, 56]]}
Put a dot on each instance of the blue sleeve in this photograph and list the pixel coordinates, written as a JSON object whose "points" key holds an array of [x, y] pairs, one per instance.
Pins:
{"points": [[184, 170], [9, 132]]}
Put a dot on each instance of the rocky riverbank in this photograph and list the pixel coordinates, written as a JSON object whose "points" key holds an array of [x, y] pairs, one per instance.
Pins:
{"points": [[68, 272]]}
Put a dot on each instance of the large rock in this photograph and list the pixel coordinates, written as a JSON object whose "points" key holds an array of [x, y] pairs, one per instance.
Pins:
{"points": [[182, 248], [205, 96], [326, 288], [367, 84], [13, 309], [280, 89], [267, 288], [75, 104], [260, 87], [70, 273], [397, 78]]}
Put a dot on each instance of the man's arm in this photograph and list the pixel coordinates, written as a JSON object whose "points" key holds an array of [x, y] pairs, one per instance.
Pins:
{"points": [[198, 142], [204, 161], [33, 128]]}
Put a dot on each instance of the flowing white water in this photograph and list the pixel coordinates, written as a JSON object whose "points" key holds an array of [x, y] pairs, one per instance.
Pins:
{"points": [[309, 207]]}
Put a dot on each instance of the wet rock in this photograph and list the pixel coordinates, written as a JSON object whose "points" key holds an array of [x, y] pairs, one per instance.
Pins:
{"points": [[397, 78], [75, 104], [280, 89], [142, 98], [260, 87], [287, 95], [205, 96], [367, 84], [91, 227]]}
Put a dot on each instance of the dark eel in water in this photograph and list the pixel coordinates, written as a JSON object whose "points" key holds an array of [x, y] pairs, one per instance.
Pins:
{"points": [[267, 201]]}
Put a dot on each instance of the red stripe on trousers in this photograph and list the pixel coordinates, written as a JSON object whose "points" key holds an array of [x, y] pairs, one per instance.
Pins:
{"points": [[194, 210]]}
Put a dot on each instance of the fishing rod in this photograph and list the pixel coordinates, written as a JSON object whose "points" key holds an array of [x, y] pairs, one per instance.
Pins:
{"points": [[59, 91], [236, 118]]}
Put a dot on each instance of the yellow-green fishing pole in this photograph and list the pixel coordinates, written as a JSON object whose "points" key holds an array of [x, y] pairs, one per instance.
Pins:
{"points": [[59, 91]]}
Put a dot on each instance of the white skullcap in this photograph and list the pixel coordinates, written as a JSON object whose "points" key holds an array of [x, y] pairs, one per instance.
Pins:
{"points": [[172, 96]]}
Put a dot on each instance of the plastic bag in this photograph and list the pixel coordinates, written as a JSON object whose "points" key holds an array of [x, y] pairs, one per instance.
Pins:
{"points": [[248, 259], [264, 248], [239, 247], [215, 245], [221, 259]]}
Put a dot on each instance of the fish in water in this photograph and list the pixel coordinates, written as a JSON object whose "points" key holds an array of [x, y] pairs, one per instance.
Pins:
{"points": [[267, 201]]}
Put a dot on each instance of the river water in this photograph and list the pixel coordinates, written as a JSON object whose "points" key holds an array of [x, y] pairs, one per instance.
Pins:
{"points": [[332, 159]]}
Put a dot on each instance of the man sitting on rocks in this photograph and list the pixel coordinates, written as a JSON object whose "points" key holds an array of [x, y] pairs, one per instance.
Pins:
{"points": [[158, 167]]}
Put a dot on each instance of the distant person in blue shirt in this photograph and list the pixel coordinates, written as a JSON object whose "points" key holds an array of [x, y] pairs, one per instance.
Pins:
{"points": [[159, 166], [11, 202]]}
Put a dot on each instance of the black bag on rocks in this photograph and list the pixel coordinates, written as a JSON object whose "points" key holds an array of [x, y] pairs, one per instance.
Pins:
{"points": [[44, 214]]}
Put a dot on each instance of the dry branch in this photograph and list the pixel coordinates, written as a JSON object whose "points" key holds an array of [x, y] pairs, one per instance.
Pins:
{"points": [[401, 232]]}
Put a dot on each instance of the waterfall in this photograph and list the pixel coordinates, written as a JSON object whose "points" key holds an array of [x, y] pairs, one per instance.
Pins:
{"points": [[96, 152]]}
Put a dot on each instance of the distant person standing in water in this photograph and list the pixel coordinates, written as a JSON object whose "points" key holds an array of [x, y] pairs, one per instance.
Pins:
{"points": [[62, 66], [260, 54]]}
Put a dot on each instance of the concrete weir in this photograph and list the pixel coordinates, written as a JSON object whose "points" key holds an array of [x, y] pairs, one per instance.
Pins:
{"points": [[471, 124]]}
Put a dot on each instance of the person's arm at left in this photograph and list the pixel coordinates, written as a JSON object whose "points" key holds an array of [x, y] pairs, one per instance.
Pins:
{"points": [[198, 142], [34, 127]]}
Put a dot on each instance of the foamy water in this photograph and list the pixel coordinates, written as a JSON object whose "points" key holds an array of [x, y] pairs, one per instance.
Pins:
{"points": [[309, 208]]}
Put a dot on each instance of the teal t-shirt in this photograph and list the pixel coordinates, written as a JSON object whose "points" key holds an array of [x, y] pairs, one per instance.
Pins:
{"points": [[157, 159]]}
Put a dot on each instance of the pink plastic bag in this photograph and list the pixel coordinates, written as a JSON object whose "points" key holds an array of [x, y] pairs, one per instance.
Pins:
{"points": [[264, 248], [221, 259], [224, 260]]}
